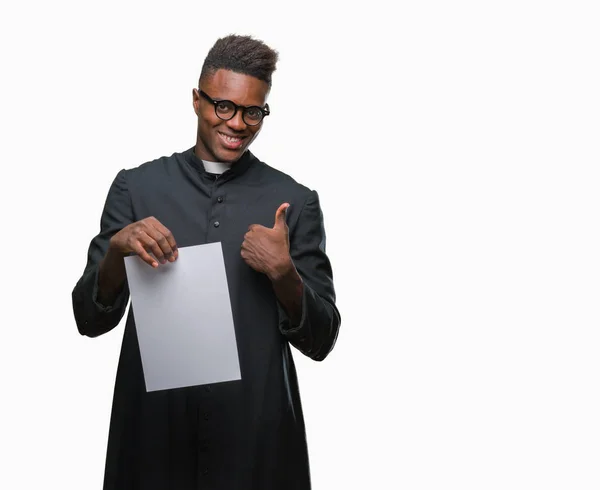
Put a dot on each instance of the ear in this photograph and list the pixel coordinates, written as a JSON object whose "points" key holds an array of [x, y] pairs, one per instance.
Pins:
{"points": [[196, 101]]}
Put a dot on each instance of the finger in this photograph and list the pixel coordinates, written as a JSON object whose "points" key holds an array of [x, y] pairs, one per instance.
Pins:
{"points": [[161, 240], [170, 248], [256, 228], [150, 244], [280, 216], [138, 248]]}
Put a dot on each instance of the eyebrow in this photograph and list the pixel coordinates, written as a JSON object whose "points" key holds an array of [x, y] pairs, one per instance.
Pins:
{"points": [[217, 99]]}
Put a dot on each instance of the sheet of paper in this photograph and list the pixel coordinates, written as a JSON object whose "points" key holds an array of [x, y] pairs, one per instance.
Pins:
{"points": [[183, 318]]}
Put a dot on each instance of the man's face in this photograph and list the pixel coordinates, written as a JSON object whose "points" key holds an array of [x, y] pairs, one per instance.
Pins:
{"points": [[226, 141]]}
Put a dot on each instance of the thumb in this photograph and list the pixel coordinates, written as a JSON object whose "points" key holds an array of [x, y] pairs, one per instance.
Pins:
{"points": [[280, 216]]}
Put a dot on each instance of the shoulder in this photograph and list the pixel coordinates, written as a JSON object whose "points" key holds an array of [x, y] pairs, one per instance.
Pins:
{"points": [[152, 174], [267, 175], [158, 167]]}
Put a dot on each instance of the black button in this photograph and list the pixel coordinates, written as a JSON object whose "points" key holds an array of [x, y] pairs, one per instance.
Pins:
{"points": [[206, 415], [205, 471], [207, 388], [220, 199], [216, 224], [204, 444]]}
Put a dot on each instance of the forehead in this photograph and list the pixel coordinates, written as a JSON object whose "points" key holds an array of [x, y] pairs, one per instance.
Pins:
{"points": [[241, 89]]}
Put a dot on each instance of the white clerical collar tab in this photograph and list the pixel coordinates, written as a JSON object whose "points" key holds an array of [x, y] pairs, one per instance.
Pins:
{"points": [[215, 167]]}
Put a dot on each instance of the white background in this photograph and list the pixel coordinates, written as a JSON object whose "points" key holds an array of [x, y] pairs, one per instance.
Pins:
{"points": [[455, 149]]}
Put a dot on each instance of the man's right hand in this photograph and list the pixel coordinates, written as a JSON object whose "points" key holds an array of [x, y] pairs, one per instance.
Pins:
{"points": [[144, 237]]}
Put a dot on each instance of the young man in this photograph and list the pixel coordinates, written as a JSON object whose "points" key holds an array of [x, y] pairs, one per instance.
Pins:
{"points": [[246, 434]]}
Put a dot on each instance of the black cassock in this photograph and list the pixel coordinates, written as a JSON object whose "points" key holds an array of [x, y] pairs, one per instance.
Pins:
{"points": [[246, 434]]}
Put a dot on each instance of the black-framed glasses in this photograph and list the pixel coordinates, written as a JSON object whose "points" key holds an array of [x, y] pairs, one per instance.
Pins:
{"points": [[226, 110]]}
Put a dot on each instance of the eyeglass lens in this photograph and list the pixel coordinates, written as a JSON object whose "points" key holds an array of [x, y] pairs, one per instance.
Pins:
{"points": [[226, 110]]}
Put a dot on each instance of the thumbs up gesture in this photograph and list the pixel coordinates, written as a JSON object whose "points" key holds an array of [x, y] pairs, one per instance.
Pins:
{"points": [[267, 250]]}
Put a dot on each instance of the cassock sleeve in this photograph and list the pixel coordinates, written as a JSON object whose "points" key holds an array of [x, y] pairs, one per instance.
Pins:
{"points": [[92, 317], [317, 331]]}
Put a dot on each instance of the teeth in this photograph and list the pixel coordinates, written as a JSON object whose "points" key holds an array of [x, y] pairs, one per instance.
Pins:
{"points": [[231, 139]]}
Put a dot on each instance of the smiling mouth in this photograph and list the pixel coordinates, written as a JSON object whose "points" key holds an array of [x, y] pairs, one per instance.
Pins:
{"points": [[231, 142]]}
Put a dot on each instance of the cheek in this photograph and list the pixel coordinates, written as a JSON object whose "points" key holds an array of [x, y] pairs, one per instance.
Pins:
{"points": [[208, 119], [255, 132], [207, 126]]}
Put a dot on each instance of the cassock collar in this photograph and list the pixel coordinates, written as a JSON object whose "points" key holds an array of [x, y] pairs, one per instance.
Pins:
{"points": [[237, 168]]}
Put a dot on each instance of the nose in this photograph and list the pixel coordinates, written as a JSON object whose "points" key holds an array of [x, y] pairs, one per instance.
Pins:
{"points": [[237, 122]]}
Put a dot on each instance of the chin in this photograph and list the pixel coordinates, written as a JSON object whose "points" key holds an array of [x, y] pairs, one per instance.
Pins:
{"points": [[230, 156]]}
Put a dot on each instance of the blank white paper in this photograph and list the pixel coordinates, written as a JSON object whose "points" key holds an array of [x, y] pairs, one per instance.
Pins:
{"points": [[183, 318]]}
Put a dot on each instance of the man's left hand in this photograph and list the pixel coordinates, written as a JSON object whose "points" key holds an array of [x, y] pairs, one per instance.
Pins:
{"points": [[267, 250]]}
